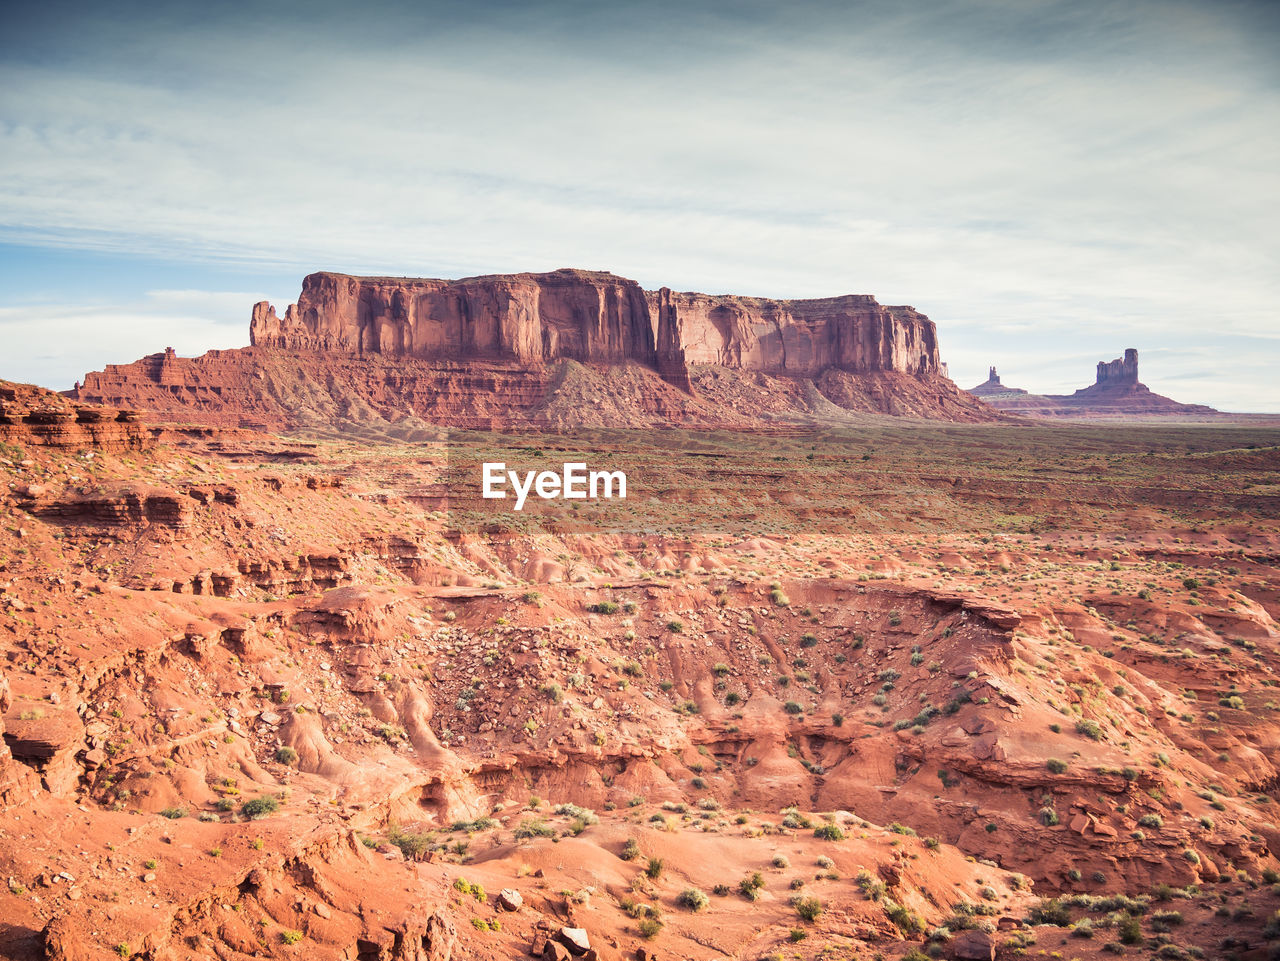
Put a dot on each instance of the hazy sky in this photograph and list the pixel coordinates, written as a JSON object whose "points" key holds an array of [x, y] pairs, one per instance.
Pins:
{"points": [[1051, 182]]}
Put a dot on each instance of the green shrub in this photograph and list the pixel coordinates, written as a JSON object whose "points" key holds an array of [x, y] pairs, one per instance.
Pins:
{"points": [[1055, 766], [259, 807], [693, 899], [603, 607], [752, 885], [410, 843], [649, 927], [791, 707], [1089, 729], [654, 867], [908, 922], [286, 755], [829, 832], [1050, 911], [1131, 931], [534, 828], [809, 909]]}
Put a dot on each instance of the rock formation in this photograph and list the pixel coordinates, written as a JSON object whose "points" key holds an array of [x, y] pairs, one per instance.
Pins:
{"points": [[587, 316], [804, 337], [1121, 372], [32, 415], [991, 387], [1117, 392], [564, 349], [596, 317]]}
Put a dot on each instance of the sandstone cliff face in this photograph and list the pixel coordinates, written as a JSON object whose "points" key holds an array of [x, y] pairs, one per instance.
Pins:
{"points": [[532, 318], [1122, 371], [803, 337], [596, 317]]}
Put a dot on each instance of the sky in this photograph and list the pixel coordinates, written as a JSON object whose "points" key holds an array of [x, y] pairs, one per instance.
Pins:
{"points": [[1051, 182]]}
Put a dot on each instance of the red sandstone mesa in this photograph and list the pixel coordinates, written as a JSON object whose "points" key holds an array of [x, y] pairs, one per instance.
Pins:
{"points": [[595, 317], [563, 349]]}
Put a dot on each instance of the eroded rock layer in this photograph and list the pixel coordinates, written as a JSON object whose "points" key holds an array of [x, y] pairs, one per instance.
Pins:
{"points": [[837, 689], [575, 314], [805, 337], [564, 349]]}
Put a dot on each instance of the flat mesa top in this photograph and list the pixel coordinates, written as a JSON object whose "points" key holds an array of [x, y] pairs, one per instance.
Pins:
{"points": [[569, 275]]}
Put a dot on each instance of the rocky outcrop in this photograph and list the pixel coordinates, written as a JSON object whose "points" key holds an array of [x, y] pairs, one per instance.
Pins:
{"points": [[596, 317], [1117, 392], [802, 337], [16, 780], [34, 416], [992, 387], [396, 357], [1121, 372], [588, 316]]}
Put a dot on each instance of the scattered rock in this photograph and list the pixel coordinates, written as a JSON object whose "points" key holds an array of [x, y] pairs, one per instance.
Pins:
{"points": [[973, 946], [575, 939]]}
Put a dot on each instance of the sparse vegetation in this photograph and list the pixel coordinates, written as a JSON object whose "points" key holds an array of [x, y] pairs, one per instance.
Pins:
{"points": [[693, 899], [259, 807]]}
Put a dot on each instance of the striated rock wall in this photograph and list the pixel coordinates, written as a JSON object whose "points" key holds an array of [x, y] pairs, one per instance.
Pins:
{"points": [[33, 416], [803, 337], [532, 318], [596, 317]]}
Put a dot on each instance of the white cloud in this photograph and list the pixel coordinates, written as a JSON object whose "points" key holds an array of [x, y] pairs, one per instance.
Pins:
{"points": [[1106, 185], [54, 344]]}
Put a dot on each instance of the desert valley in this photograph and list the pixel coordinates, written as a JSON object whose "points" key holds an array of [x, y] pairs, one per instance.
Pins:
{"points": [[864, 666]]}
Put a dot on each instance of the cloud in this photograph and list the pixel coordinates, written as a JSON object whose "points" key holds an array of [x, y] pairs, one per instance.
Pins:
{"points": [[55, 344], [1025, 173]]}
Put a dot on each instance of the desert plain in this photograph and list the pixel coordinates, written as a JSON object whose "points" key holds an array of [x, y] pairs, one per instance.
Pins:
{"points": [[893, 689]]}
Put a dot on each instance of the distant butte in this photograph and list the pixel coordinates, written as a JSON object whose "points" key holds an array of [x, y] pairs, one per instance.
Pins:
{"points": [[992, 388], [1116, 392]]}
